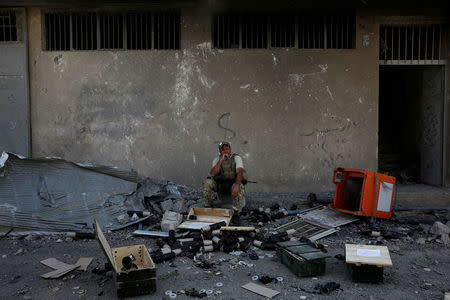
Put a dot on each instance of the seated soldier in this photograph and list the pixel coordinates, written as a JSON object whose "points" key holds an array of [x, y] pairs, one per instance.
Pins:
{"points": [[227, 179]]}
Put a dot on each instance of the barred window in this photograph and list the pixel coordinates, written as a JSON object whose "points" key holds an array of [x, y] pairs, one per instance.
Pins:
{"points": [[8, 26], [139, 31], [304, 31], [226, 31], [111, 31], [84, 31], [282, 32], [413, 43], [57, 33], [94, 31], [254, 31], [311, 32], [167, 30]]}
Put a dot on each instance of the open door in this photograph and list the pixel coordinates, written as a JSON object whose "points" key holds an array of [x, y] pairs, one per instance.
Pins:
{"points": [[411, 118], [431, 120]]}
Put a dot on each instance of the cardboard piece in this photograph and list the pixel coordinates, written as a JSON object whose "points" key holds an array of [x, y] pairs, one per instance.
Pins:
{"points": [[59, 272], [83, 263], [62, 268], [54, 263], [260, 290], [367, 255]]}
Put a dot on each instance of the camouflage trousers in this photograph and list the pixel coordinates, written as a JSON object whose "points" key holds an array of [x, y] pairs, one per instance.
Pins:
{"points": [[224, 194]]}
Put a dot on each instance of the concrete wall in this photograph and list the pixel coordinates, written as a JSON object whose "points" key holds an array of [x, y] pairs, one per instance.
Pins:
{"points": [[294, 115]]}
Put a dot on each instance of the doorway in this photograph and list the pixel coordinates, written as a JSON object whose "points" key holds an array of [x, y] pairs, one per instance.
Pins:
{"points": [[411, 120]]}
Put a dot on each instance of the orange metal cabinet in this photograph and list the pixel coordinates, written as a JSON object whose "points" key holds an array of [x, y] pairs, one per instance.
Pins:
{"points": [[355, 192]]}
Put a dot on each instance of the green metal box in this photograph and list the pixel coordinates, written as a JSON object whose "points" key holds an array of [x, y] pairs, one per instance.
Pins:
{"points": [[302, 259]]}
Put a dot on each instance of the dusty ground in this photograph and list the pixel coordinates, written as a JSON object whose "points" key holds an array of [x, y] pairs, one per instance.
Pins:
{"points": [[420, 271]]}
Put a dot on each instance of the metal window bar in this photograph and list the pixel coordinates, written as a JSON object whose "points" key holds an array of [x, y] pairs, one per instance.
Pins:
{"points": [[8, 26], [411, 44]]}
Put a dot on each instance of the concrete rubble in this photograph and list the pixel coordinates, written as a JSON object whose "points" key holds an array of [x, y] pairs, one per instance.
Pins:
{"points": [[213, 263]]}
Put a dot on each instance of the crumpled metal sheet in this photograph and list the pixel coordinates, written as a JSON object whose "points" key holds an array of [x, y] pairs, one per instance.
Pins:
{"points": [[52, 194]]}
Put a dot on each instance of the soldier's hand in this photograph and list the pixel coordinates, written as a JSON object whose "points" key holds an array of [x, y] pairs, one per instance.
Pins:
{"points": [[235, 190]]}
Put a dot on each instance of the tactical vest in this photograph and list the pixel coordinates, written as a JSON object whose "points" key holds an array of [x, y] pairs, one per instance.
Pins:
{"points": [[228, 169]]}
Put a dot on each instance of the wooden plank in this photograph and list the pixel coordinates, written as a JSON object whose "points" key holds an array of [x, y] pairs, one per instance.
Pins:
{"points": [[218, 212], [367, 255], [105, 245], [260, 290], [237, 228]]}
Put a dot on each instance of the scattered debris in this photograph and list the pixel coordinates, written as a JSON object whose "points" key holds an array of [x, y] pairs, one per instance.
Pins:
{"points": [[327, 287], [41, 199]]}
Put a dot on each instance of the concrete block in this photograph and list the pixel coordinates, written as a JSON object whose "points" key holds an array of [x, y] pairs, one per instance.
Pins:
{"points": [[439, 229], [167, 205], [179, 206]]}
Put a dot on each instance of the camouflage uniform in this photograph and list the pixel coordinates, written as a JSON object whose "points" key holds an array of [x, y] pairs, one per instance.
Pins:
{"points": [[224, 190]]}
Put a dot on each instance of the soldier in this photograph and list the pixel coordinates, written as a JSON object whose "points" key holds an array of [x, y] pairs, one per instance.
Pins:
{"points": [[227, 177]]}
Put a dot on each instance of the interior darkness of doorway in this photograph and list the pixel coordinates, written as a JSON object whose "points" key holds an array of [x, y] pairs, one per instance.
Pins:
{"points": [[400, 128]]}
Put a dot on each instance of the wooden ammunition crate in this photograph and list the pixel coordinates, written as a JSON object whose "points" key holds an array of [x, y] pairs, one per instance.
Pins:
{"points": [[366, 262], [133, 282], [302, 259], [199, 217]]}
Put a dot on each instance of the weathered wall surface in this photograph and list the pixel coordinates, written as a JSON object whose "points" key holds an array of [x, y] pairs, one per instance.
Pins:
{"points": [[294, 115]]}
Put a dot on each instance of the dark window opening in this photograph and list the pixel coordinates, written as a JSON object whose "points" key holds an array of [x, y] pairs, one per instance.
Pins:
{"points": [[311, 32], [303, 31], [341, 31], [226, 31], [57, 34], [8, 26], [84, 31], [282, 33], [254, 31], [139, 31], [92, 31], [111, 31], [167, 30]]}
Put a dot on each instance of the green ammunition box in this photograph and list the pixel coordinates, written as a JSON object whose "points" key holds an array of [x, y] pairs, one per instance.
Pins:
{"points": [[302, 259]]}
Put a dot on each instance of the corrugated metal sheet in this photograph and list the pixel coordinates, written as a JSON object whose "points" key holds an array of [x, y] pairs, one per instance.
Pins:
{"points": [[51, 194]]}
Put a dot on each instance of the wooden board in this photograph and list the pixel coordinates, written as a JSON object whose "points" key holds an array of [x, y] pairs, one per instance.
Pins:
{"points": [[206, 215], [143, 259], [367, 255], [260, 290], [105, 245]]}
